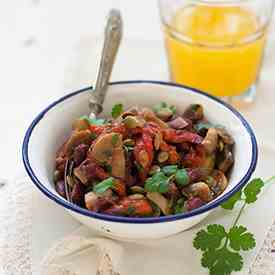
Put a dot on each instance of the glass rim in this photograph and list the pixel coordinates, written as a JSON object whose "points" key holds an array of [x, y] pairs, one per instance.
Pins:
{"points": [[184, 38]]}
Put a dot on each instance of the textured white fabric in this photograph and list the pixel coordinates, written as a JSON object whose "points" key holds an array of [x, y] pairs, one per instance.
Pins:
{"points": [[84, 253]]}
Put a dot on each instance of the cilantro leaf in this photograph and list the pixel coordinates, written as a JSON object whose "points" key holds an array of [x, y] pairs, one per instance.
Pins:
{"points": [[182, 177], [169, 170], [157, 183], [240, 238], [252, 189], [210, 238], [230, 203], [117, 110], [221, 261], [104, 185]]}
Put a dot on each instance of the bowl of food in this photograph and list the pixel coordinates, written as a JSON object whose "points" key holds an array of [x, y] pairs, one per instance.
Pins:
{"points": [[156, 162]]}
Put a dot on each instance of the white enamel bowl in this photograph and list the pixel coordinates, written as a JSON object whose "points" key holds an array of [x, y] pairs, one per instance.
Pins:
{"points": [[53, 125]]}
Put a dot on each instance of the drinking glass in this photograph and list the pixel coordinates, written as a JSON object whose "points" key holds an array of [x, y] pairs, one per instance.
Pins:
{"points": [[216, 46]]}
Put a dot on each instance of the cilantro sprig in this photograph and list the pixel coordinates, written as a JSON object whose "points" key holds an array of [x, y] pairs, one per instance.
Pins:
{"points": [[117, 110], [220, 247], [159, 182]]}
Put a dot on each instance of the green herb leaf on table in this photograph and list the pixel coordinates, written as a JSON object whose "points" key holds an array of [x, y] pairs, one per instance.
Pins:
{"points": [[221, 261], [221, 249], [117, 110], [210, 238], [252, 189], [104, 185], [230, 203], [240, 238], [157, 183]]}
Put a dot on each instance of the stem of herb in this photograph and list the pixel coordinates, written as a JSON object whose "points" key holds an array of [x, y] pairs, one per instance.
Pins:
{"points": [[239, 214]]}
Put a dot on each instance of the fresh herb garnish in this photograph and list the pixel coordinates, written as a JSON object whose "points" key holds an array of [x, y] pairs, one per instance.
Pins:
{"points": [[157, 183], [117, 110], [104, 185], [169, 170], [182, 177], [221, 248]]}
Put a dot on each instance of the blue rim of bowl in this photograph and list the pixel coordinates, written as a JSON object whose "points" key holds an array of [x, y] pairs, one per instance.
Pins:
{"points": [[169, 218]]}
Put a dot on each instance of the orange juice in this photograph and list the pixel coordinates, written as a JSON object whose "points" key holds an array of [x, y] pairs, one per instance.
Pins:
{"points": [[215, 49]]}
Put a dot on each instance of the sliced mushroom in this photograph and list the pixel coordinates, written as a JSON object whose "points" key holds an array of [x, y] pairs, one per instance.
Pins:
{"points": [[150, 116], [201, 190], [210, 141], [130, 112], [226, 159], [104, 146], [220, 182], [160, 201], [90, 200], [225, 136], [77, 137], [118, 162]]}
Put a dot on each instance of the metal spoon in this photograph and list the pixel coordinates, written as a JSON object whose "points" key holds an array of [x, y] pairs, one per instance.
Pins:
{"points": [[113, 35]]}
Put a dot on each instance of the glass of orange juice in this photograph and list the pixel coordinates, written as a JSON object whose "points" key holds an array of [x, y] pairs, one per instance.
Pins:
{"points": [[216, 45]]}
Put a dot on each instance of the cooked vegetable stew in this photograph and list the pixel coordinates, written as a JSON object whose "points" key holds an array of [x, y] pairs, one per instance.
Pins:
{"points": [[143, 162]]}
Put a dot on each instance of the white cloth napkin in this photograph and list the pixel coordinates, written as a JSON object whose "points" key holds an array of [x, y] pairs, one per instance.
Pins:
{"points": [[84, 252]]}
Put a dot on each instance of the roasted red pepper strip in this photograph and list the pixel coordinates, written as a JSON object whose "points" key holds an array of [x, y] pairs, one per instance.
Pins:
{"points": [[179, 136], [97, 129], [143, 153], [120, 129], [131, 207]]}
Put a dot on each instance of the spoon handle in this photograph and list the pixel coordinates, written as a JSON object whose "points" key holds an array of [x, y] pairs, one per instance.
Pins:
{"points": [[113, 34]]}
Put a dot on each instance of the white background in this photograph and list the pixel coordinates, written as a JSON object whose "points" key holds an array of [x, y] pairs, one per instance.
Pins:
{"points": [[40, 40], [51, 47]]}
